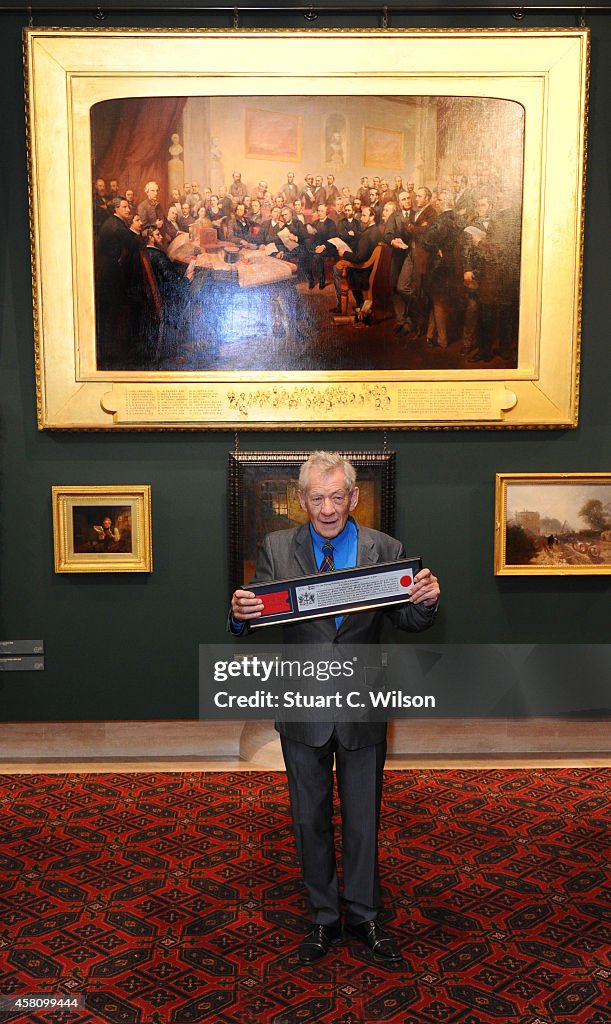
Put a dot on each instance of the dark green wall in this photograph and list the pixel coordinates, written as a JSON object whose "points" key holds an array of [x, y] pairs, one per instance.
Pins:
{"points": [[125, 647]]}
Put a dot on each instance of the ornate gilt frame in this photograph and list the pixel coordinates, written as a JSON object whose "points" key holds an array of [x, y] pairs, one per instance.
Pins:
{"points": [[69, 70], [595, 560], [138, 556]]}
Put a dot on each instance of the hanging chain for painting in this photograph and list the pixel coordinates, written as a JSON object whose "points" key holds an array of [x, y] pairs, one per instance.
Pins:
{"points": [[236, 441], [581, 18], [236, 18], [385, 17], [30, 17]]}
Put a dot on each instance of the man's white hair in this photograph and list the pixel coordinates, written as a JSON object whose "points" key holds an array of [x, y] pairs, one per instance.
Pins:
{"points": [[327, 462]]}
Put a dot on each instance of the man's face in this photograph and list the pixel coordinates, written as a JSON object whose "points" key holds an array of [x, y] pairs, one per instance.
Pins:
{"points": [[310, 179], [405, 200], [483, 208], [357, 203], [124, 211], [366, 217], [240, 210], [152, 192], [328, 502], [175, 195], [290, 177], [187, 188], [237, 178], [107, 523], [185, 209], [322, 212], [256, 206], [421, 198], [349, 210], [195, 186], [297, 206], [129, 195], [318, 180], [410, 186], [330, 179], [100, 186], [386, 212], [398, 181], [157, 237], [374, 195], [136, 224], [114, 185], [276, 213]]}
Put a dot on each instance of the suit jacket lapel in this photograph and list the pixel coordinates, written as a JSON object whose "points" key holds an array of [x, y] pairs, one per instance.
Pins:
{"points": [[304, 555], [304, 551]]}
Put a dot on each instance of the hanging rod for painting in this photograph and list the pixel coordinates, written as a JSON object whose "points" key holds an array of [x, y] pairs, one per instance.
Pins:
{"points": [[312, 12]]}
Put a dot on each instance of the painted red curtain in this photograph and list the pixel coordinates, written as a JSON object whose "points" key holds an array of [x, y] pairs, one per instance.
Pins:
{"points": [[138, 149]]}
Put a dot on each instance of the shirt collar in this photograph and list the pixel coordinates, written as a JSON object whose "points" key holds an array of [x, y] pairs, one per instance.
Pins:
{"points": [[340, 543]]}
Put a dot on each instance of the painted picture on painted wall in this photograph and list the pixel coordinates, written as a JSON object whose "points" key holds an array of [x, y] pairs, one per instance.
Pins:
{"points": [[102, 528], [281, 266], [552, 523], [270, 258], [263, 498]]}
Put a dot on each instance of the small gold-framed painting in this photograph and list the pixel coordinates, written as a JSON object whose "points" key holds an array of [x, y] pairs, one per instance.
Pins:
{"points": [[102, 528], [552, 524]]}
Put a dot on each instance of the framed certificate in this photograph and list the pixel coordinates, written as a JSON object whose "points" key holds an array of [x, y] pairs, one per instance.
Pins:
{"points": [[336, 593]]}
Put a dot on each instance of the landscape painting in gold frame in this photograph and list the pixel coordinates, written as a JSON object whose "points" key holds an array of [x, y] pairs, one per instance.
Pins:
{"points": [[549, 524], [296, 365], [102, 528]]}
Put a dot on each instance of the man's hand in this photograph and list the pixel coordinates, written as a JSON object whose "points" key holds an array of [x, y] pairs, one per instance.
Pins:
{"points": [[245, 605], [425, 589]]}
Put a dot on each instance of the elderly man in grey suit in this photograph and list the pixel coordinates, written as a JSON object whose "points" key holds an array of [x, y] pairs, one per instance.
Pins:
{"points": [[332, 539]]}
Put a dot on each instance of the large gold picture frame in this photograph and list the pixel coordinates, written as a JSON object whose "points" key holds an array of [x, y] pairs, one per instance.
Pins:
{"points": [[544, 71]]}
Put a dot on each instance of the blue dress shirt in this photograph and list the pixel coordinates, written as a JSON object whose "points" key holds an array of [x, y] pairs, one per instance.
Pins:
{"points": [[344, 551]]}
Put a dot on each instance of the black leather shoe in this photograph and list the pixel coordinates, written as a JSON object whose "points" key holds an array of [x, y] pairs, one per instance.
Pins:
{"points": [[377, 940], [316, 944]]}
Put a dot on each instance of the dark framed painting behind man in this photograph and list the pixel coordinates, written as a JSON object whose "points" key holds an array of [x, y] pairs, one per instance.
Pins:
{"points": [[263, 498]]}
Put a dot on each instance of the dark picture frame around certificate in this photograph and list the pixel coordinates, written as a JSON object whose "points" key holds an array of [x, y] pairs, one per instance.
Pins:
{"points": [[263, 498]]}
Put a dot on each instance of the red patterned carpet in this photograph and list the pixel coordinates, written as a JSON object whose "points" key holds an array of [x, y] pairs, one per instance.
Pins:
{"points": [[175, 899]]}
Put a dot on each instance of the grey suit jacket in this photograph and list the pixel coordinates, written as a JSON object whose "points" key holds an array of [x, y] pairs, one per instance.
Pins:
{"points": [[287, 554]]}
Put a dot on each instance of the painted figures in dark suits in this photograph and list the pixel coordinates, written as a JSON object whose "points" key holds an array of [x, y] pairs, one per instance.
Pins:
{"points": [[358, 278], [328, 493]]}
